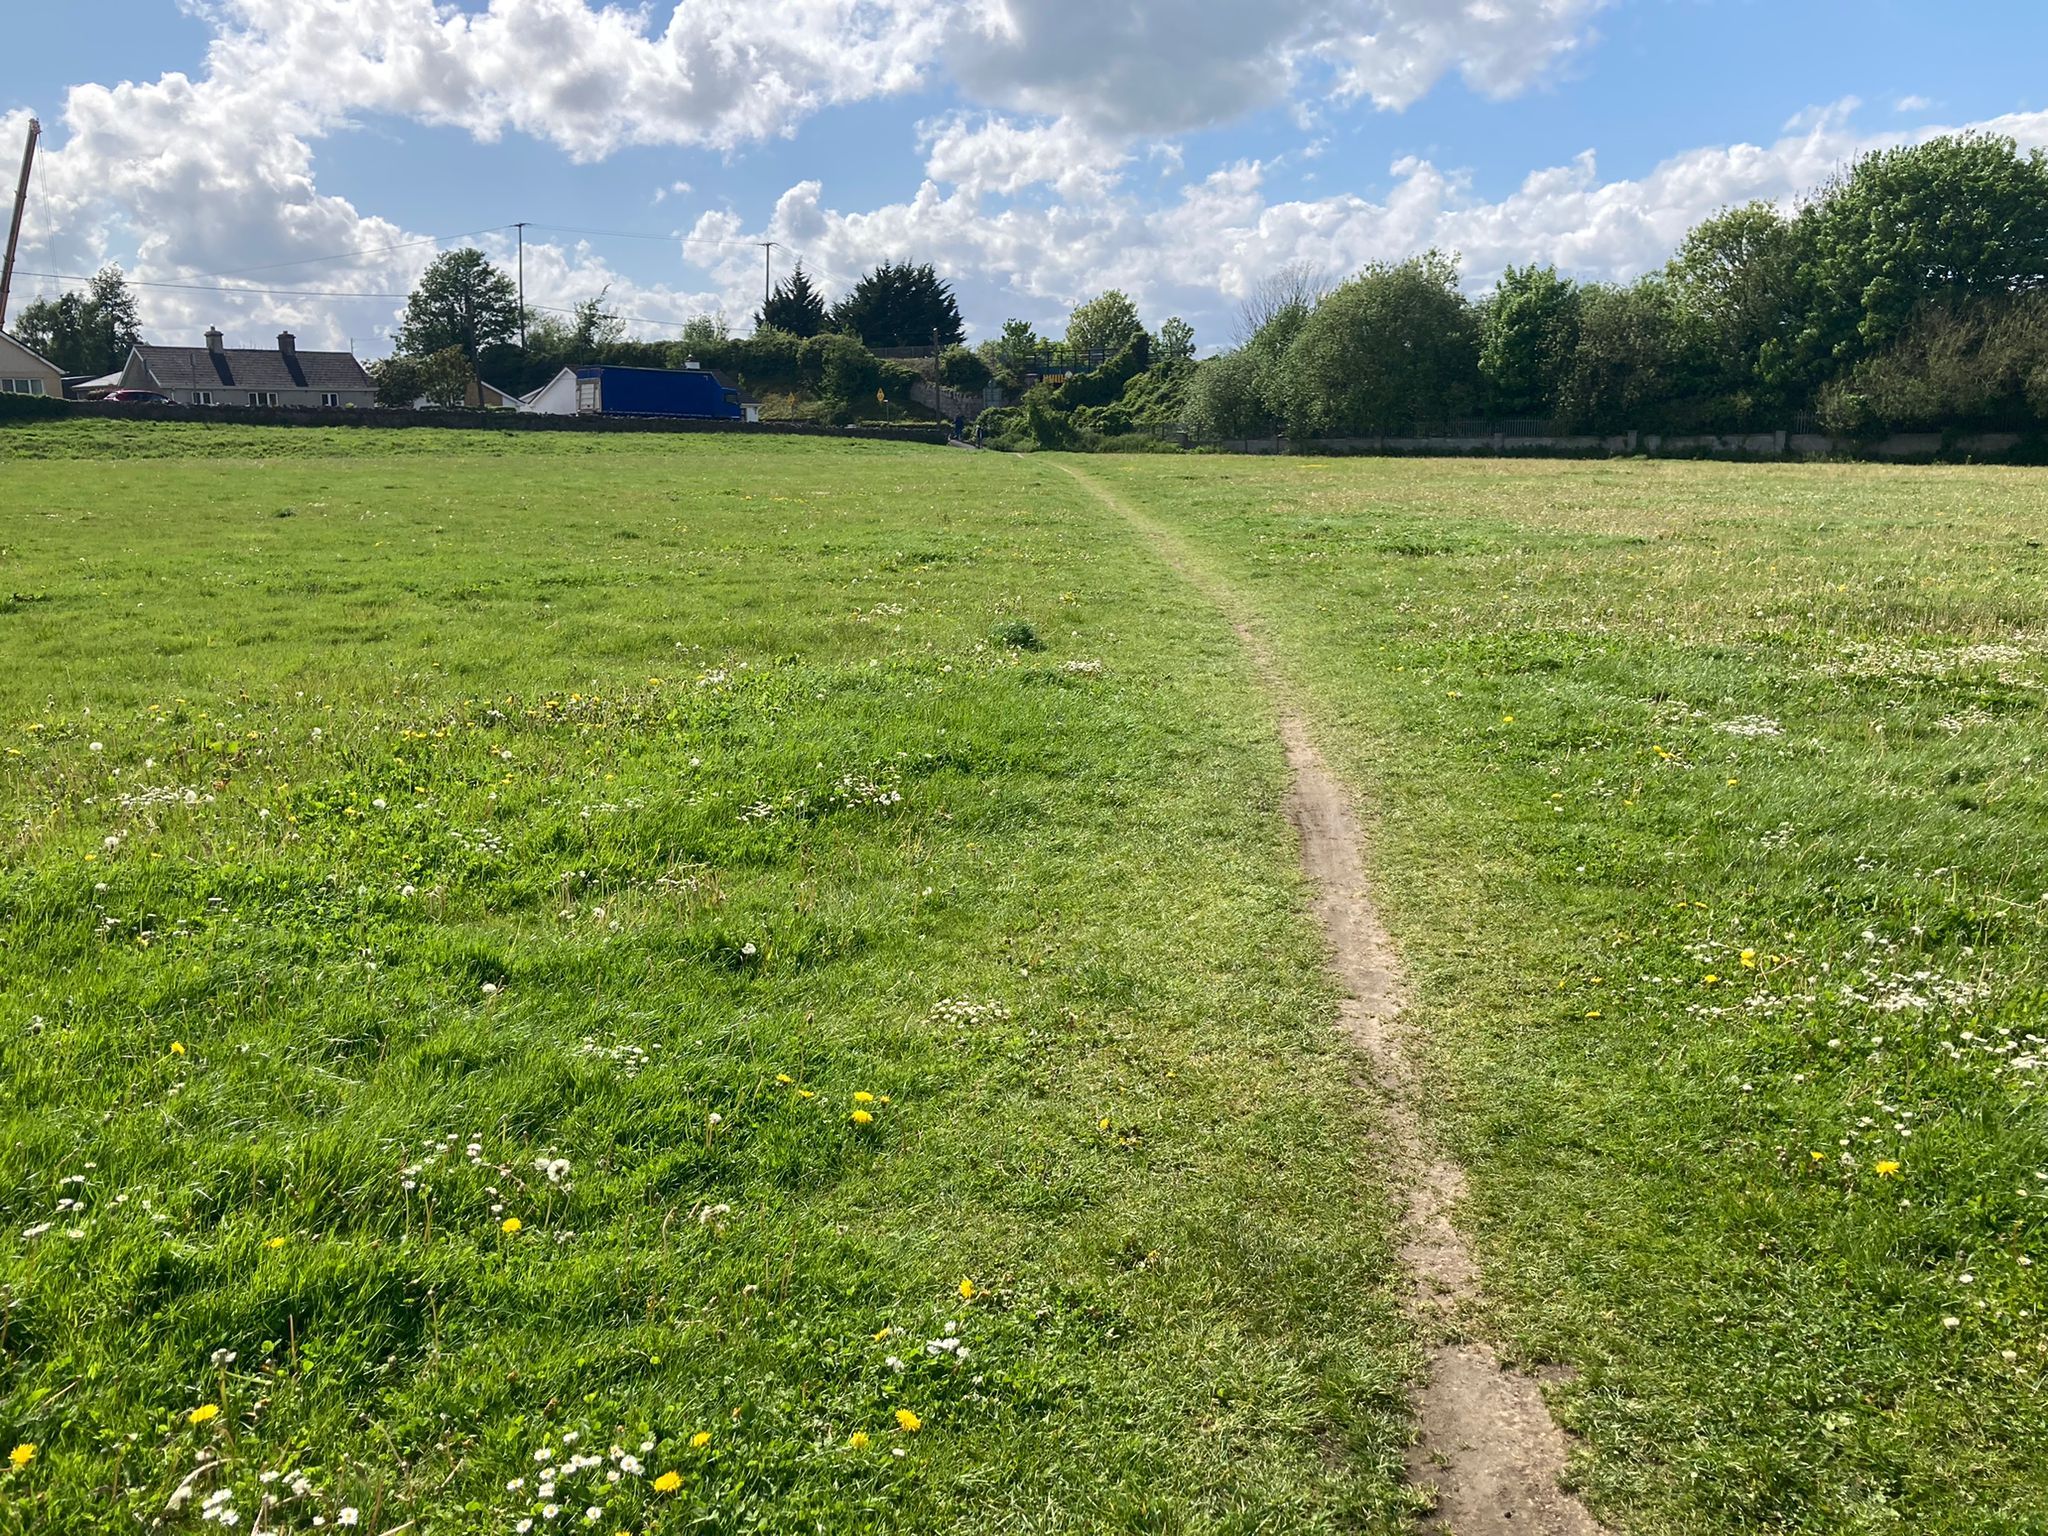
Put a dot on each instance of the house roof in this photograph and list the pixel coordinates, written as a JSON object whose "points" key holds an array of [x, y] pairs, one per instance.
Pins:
{"points": [[32, 352], [252, 368]]}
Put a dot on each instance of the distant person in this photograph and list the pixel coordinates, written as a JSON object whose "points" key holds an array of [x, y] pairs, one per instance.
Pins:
{"points": [[959, 425], [979, 430]]}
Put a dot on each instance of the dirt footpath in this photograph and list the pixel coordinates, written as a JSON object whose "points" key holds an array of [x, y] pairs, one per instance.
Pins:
{"points": [[1485, 1442]]}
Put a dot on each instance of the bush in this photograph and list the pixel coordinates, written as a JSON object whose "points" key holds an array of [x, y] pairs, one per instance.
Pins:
{"points": [[963, 370], [29, 407], [1046, 427], [1017, 635], [1843, 412], [839, 368], [1103, 385], [1393, 347], [897, 379]]}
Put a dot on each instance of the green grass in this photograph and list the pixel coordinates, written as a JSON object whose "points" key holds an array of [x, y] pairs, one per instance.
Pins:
{"points": [[391, 815], [1712, 824], [1707, 807]]}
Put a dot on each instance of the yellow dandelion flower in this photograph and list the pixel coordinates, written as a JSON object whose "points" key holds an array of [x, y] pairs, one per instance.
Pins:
{"points": [[805, 1093], [1749, 958], [177, 1049], [668, 1482], [1709, 979], [862, 1117], [863, 1098], [908, 1422], [1886, 1168], [1507, 719], [784, 1078], [858, 1440], [967, 1290], [202, 1413], [883, 1333], [1102, 1124], [700, 1439], [275, 1242], [25, 1453], [511, 1226]]}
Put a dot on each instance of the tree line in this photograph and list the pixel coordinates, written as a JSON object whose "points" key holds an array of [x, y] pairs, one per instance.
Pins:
{"points": [[1909, 291]]}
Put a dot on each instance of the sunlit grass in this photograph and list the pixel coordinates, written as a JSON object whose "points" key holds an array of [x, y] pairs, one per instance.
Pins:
{"points": [[559, 975], [1712, 821]]}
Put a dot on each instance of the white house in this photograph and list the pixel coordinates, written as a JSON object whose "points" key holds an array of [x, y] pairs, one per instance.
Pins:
{"points": [[557, 397], [217, 374], [23, 372]]}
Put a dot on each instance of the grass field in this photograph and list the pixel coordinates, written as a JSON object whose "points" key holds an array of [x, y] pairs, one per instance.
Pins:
{"points": [[763, 985]]}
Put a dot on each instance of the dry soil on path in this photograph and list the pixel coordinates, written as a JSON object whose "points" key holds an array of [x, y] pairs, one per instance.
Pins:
{"points": [[1485, 1444]]}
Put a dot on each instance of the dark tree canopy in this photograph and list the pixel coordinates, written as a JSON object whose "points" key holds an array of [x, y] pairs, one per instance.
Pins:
{"points": [[900, 306], [1528, 331], [461, 301], [1394, 347], [90, 332], [1964, 216], [796, 306]]}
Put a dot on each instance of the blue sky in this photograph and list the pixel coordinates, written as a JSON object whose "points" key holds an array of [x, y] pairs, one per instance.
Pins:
{"points": [[1036, 150]]}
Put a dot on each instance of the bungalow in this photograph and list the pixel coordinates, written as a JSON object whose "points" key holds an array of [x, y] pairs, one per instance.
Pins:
{"points": [[217, 374], [23, 372], [480, 396]]}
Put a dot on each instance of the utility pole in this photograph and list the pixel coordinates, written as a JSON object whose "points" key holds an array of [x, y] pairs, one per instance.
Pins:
{"points": [[28, 160], [767, 274], [521, 227]]}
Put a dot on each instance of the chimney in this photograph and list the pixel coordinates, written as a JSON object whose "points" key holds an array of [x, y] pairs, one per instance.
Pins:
{"points": [[214, 339], [287, 343]]}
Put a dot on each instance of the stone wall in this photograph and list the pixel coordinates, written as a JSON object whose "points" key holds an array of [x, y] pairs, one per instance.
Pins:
{"points": [[491, 421]]}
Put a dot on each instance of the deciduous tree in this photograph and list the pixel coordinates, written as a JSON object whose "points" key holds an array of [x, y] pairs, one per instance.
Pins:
{"points": [[461, 301], [84, 333]]}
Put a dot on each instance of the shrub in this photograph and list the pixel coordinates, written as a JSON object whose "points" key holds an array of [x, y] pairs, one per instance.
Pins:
{"points": [[963, 370], [839, 368]]}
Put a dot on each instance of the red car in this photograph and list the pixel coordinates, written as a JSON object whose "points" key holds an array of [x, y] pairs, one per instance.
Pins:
{"points": [[137, 397]]}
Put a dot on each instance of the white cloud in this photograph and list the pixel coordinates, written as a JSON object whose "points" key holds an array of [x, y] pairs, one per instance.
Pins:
{"points": [[1912, 104], [186, 177], [1143, 68], [1000, 156], [1200, 251]]}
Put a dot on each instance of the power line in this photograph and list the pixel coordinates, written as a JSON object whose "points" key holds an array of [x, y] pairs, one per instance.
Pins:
{"points": [[668, 239], [368, 250], [140, 282], [321, 293]]}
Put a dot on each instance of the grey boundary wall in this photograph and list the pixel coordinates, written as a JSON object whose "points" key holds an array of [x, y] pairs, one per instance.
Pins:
{"points": [[1987, 447], [481, 421]]}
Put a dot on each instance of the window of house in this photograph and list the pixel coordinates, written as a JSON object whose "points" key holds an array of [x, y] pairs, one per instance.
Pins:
{"points": [[203, 397], [21, 386], [262, 398], [330, 400]]}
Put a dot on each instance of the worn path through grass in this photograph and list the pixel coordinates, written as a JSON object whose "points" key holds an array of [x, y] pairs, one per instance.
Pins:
{"points": [[1487, 1453]]}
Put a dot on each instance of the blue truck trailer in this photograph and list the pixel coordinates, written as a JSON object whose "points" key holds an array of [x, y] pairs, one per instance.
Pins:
{"points": [[694, 392]]}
